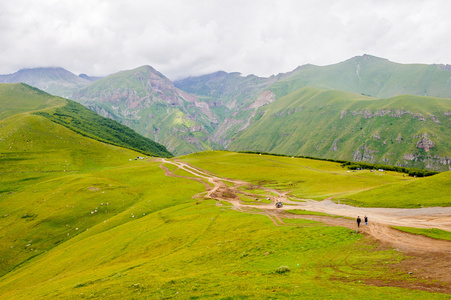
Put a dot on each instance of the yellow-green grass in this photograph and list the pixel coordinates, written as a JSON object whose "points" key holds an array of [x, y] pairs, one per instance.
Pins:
{"points": [[51, 180], [306, 212], [248, 199], [254, 200], [434, 233], [34, 144], [19, 98], [421, 192], [256, 191], [184, 173], [204, 251], [120, 229], [304, 178], [171, 167], [299, 222], [180, 248]]}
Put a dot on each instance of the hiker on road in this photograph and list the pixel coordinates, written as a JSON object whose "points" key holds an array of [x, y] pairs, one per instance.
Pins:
{"points": [[358, 221], [366, 220]]}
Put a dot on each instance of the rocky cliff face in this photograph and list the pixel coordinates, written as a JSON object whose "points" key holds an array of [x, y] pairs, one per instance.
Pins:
{"points": [[425, 143]]}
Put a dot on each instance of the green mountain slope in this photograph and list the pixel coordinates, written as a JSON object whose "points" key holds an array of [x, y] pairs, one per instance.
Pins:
{"points": [[241, 95], [371, 76], [84, 121], [149, 103], [367, 75], [409, 131], [232, 88], [17, 98], [210, 111], [41, 162]]}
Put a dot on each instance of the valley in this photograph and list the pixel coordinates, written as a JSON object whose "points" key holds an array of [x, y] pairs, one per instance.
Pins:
{"points": [[91, 209], [160, 227], [219, 150], [430, 217], [365, 109], [382, 227]]}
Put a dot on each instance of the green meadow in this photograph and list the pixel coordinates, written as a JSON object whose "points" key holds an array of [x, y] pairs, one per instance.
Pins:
{"points": [[81, 219], [150, 240], [304, 178], [429, 191], [109, 227], [429, 232]]}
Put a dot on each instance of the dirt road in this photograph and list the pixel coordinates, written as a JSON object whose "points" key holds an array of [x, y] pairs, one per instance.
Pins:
{"points": [[430, 257]]}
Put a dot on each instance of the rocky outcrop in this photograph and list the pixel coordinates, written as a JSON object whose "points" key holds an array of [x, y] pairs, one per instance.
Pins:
{"points": [[363, 153], [368, 114], [264, 98], [334, 145], [434, 119], [425, 143], [410, 156], [343, 114], [287, 112]]}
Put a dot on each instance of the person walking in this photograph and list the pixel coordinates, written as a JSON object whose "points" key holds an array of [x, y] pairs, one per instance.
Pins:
{"points": [[366, 220], [358, 221]]}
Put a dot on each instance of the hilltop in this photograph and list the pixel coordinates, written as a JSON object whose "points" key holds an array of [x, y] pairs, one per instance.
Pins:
{"points": [[56, 81], [372, 76], [21, 98]]}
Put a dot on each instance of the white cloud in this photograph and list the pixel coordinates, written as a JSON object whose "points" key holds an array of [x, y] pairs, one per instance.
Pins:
{"points": [[182, 38]]}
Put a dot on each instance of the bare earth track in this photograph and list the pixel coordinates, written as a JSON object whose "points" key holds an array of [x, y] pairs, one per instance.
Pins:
{"points": [[430, 259]]}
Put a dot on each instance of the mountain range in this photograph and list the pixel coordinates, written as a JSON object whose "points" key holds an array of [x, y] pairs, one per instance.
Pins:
{"points": [[363, 109], [82, 217]]}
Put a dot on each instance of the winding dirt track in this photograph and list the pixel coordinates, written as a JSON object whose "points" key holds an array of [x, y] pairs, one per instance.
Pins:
{"points": [[430, 258]]}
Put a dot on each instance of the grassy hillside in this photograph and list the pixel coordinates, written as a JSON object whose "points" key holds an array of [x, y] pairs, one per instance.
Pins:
{"points": [[408, 131], [84, 121], [371, 76], [127, 231], [146, 101], [41, 164], [18, 98], [79, 219], [433, 191], [313, 179], [363, 75]]}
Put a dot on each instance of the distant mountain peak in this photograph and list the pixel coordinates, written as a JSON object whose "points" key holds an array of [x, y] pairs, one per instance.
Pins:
{"points": [[367, 57], [90, 78]]}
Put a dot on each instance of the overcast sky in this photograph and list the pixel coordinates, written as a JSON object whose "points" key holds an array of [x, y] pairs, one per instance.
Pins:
{"points": [[192, 37]]}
